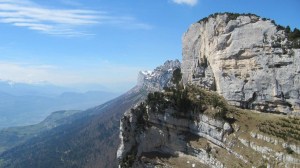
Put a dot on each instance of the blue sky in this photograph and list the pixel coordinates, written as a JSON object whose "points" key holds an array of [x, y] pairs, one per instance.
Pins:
{"points": [[67, 42]]}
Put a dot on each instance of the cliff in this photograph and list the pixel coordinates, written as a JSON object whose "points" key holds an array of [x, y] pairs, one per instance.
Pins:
{"points": [[182, 128], [229, 61], [249, 60]]}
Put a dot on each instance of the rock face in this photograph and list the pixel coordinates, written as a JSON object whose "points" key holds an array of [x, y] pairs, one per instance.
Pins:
{"points": [[152, 137], [159, 78], [246, 59], [167, 134]]}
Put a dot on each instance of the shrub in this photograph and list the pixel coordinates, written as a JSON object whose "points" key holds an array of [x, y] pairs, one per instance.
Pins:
{"points": [[128, 161], [177, 76]]}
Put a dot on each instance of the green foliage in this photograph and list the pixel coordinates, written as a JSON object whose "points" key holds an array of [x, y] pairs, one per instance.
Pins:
{"points": [[181, 100], [279, 27], [177, 76], [294, 34], [157, 102], [128, 161], [141, 113], [204, 100], [187, 100], [294, 37], [287, 29], [287, 129], [273, 21], [231, 16]]}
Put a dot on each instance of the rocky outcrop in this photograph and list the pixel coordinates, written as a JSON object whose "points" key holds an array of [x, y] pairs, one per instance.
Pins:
{"points": [[150, 138], [167, 133], [159, 78], [246, 59]]}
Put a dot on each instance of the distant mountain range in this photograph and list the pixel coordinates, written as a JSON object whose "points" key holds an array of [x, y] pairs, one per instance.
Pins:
{"points": [[89, 139], [24, 104]]}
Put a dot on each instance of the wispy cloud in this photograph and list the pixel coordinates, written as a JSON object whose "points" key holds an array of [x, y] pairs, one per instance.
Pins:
{"points": [[187, 2], [54, 21]]}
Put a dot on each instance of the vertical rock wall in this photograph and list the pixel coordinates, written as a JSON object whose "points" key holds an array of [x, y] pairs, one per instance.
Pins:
{"points": [[246, 59]]}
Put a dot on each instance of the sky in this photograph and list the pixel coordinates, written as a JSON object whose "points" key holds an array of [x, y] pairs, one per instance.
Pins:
{"points": [[107, 42]]}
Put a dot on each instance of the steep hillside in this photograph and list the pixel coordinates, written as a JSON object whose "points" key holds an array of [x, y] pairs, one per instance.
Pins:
{"points": [[10, 137], [191, 126], [249, 60], [92, 139]]}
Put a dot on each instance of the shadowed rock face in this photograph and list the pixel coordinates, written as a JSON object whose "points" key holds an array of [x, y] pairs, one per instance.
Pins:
{"points": [[247, 60], [166, 134]]}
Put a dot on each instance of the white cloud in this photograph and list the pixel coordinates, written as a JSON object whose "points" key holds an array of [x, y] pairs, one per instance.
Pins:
{"points": [[67, 22], [187, 2]]}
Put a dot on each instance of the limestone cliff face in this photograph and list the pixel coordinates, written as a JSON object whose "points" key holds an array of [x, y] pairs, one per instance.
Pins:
{"points": [[167, 134], [246, 59]]}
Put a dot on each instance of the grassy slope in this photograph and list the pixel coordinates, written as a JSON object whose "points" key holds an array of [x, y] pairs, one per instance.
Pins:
{"points": [[277, 127]]}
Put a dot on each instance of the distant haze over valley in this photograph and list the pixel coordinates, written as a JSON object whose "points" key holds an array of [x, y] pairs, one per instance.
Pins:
{"points": [[25, 104]]}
